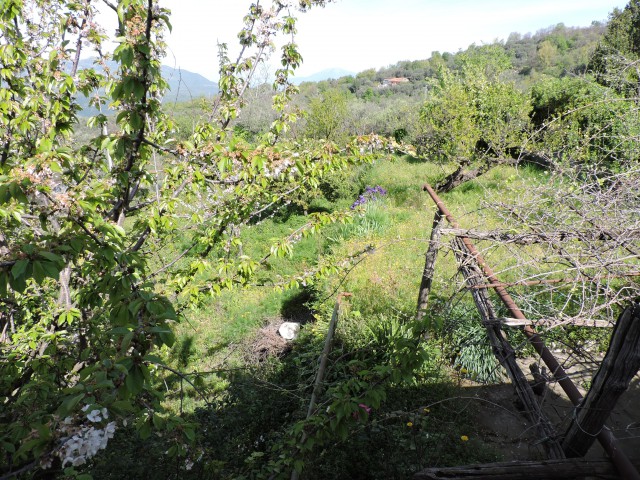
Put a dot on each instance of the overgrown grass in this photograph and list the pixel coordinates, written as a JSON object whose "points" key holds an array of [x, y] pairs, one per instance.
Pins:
{"points": [[253, 406]]}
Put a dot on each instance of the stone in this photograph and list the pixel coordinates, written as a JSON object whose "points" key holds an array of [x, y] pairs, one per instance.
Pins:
{"points": [[289, 330]]}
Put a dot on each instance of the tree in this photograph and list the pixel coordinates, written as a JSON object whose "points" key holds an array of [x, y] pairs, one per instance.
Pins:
{"points": [[582, 123], [90, 279], [614, 61], [327, 114], [472, 118]]}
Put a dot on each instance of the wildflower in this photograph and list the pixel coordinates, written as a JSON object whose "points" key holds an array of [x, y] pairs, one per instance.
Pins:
{"points": [[409, 424], [464, 438], [365, 407], [369, 194], [426, 410]]}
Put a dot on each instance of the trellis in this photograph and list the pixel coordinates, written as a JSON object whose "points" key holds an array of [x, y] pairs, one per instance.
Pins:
{"points": [[621, 363]]}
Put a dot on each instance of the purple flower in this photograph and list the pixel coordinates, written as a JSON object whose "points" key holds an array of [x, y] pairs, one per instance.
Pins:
{"points": [[369, 194]]}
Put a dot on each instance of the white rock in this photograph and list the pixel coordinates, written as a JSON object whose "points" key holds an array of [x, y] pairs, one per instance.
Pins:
{"points": [[289, 330]]}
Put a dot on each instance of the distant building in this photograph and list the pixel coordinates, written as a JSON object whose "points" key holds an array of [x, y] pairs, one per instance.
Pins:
{"points": [[390, 82]]}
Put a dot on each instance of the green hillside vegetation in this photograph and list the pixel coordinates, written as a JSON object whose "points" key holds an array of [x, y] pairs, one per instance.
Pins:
{"points": [[147, 259]]}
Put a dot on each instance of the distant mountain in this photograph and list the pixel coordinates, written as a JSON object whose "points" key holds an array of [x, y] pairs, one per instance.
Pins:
{"points": [[183, 85], [326, 74]]}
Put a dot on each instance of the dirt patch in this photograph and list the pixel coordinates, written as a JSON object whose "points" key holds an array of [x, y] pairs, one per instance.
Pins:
{"points": [[504, 428], [267, 342]]}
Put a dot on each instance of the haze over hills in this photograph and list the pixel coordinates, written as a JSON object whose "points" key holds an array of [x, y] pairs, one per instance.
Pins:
{"points": [[183, 85], [326, 74]]}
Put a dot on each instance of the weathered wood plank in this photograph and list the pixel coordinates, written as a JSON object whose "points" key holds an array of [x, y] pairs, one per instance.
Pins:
{"points": [[549, 469], [552, 322], [612, 379]]}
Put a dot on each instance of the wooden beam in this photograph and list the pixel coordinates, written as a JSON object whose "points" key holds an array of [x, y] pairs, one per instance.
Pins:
{"points": [[529, 238], [554, 322], [549, 469], [618, 368]]}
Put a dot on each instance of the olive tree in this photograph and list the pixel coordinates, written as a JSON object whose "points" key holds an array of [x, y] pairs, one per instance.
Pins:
{"points": [[472, 117]]}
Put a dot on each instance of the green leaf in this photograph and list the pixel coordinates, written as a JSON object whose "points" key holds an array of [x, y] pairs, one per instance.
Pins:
{"points": [[52, 257], [190, 434], [69, 403], [135, 380], [126, 341], [51, 270], [38, 272], [145, 431], [19, 268]]}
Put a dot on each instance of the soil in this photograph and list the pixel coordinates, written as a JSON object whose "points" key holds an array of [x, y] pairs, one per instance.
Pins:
{"points": [[502, 427]]}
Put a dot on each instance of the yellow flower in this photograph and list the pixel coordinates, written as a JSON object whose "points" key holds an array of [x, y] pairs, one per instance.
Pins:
{"points": [[464, 438], [426, 410], [409, 424]]}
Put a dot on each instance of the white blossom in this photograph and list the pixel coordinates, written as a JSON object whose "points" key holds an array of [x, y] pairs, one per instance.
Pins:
{"points": [[94, 416], [86, 442]]}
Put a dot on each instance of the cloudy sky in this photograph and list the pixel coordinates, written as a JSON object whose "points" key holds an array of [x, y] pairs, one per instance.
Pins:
{"points": [[360, 34]]}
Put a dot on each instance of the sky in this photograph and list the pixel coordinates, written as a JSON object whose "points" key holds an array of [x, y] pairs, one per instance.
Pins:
{"points": [[359, 34]]}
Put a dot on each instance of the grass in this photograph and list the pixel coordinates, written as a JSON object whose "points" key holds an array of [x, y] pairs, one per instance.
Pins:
{"points": [[256, 404]]}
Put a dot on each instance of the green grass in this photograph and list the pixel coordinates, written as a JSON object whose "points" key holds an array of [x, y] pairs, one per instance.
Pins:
{"points": [[260, 401]]}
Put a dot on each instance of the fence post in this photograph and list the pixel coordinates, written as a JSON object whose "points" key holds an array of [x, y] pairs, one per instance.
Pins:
{"points": [[429, 264]]}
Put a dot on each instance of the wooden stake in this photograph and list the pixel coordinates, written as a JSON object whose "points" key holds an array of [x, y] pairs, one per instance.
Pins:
{"points": [[324, 358], [504, 352], [429, 265]]}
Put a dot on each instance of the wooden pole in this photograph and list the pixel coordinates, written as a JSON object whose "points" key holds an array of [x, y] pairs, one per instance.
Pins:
{"points": [[545, 470], [324, 358], [429, 265], [618, 368]]}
